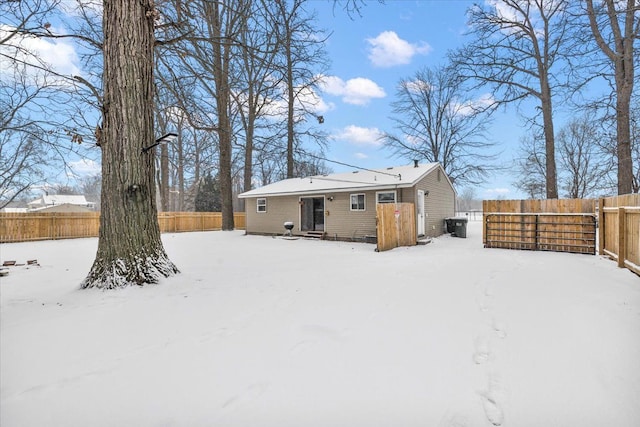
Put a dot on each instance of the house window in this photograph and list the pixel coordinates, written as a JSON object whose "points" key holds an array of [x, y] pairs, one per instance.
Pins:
{"points": [[386, 197], [357, 202], [261, 205]]}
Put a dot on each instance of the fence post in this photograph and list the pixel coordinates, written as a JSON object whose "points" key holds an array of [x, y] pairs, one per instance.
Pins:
{"points": [[601, 234], [622, 244], [535, 232]]}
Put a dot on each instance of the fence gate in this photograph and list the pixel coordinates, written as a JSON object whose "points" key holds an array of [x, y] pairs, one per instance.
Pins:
{"points": [[559, 232], [395, 225]]}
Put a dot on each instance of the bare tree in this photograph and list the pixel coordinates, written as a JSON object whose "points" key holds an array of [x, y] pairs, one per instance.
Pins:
{"points": [[130, 251], [303, 62], [530, 167], [635, 146], [36, 134], [208, 53], [616, 27], [256, 66], [515, 45], [439, 122], [583, 171]]}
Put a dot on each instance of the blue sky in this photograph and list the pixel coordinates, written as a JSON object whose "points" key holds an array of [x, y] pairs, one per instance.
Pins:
{"points": [[370, 54]]}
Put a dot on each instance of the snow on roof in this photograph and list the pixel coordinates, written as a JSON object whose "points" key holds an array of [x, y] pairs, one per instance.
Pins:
{"points": [[58, 199], [393, 177], [14, 210]]}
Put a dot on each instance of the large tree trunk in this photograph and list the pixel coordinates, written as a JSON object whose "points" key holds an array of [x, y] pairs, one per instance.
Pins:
{"points": [[290, 102], [621, 55], [129, 249], [221, 77], [549, 141], [624, 83], [164, 178]]}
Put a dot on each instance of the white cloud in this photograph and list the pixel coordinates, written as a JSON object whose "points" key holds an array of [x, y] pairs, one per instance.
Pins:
{"points": [[56, 55], [360, 156], [307, 100], [417, 86], [498, 191], [357, 91], [360, 136], [388, 50], [481, 103], [531, 18], [85, 167]]}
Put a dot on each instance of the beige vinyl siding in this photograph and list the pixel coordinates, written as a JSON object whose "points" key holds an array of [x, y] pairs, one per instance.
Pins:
{"points": [[439, 204], [343, 223], [279, 210]]}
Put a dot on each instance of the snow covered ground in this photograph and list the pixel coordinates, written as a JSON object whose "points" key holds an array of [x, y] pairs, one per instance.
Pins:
{"points": [[258, 332]]}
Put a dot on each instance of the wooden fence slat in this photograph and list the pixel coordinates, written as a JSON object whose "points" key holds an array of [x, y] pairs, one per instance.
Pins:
{"points": [[30, 226], [557, 225], [396, 225]]}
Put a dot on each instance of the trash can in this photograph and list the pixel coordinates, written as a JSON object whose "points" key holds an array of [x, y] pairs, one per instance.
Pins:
{"points": [[460, 227], [450, 225]]}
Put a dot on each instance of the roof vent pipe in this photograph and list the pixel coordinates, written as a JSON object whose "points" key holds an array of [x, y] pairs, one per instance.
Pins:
{"points": [[415, 163]]}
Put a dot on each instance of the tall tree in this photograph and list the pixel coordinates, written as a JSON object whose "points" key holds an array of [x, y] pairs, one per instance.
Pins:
{"points": [[303, 63], [582, 165], [130, 251], [515, 45], [34, 136], [208, 196], [616, 27], [208, 54], [257, 63], [530, 167], [439, 122]]}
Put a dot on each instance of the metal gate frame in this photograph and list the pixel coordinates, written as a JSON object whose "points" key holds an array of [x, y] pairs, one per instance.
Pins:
{"points": [[557, 232]]}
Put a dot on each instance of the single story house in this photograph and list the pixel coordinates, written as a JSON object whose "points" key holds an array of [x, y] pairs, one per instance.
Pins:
{"points": [[63, 208], [75, 203], [343, 206]]}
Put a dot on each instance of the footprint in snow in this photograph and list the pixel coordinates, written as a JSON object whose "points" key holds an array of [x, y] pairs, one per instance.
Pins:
{"points": [[491, 401], [482, 351], [492, 411], [499, 329]]}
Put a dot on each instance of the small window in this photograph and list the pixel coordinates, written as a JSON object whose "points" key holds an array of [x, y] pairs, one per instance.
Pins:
{"points": [[357, 202], [261, 205], [386, 197]]}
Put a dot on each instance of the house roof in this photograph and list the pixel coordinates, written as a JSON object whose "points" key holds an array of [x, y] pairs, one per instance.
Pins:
{"points": [[63, 207], [58, 199], [359, 180]]}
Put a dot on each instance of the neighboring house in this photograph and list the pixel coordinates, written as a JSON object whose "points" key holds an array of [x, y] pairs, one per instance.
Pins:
{"points": [[48, 202], [62, 208], [343, 206]]}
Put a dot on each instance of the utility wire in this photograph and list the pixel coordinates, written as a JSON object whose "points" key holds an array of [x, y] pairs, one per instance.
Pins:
{"points": [[397, 175]]}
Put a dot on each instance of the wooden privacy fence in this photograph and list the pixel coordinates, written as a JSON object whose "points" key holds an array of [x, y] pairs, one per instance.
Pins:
{"points": [[561, 225], [395, 225], [24, 227], [619, 234]]}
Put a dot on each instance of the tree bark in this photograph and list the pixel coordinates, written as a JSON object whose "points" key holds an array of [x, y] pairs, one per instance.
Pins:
{"points": [[221, 57], [549, 139], [130, 250], [621, 55], [290, 101]]}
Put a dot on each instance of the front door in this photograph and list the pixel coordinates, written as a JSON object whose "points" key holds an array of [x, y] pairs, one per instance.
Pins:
{"points": [[312, 213], [420, 213]]}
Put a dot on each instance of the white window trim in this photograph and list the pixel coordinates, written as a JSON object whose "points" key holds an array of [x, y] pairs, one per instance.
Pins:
{"points": [[258, 205], [364, 202], [395, 196]]}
